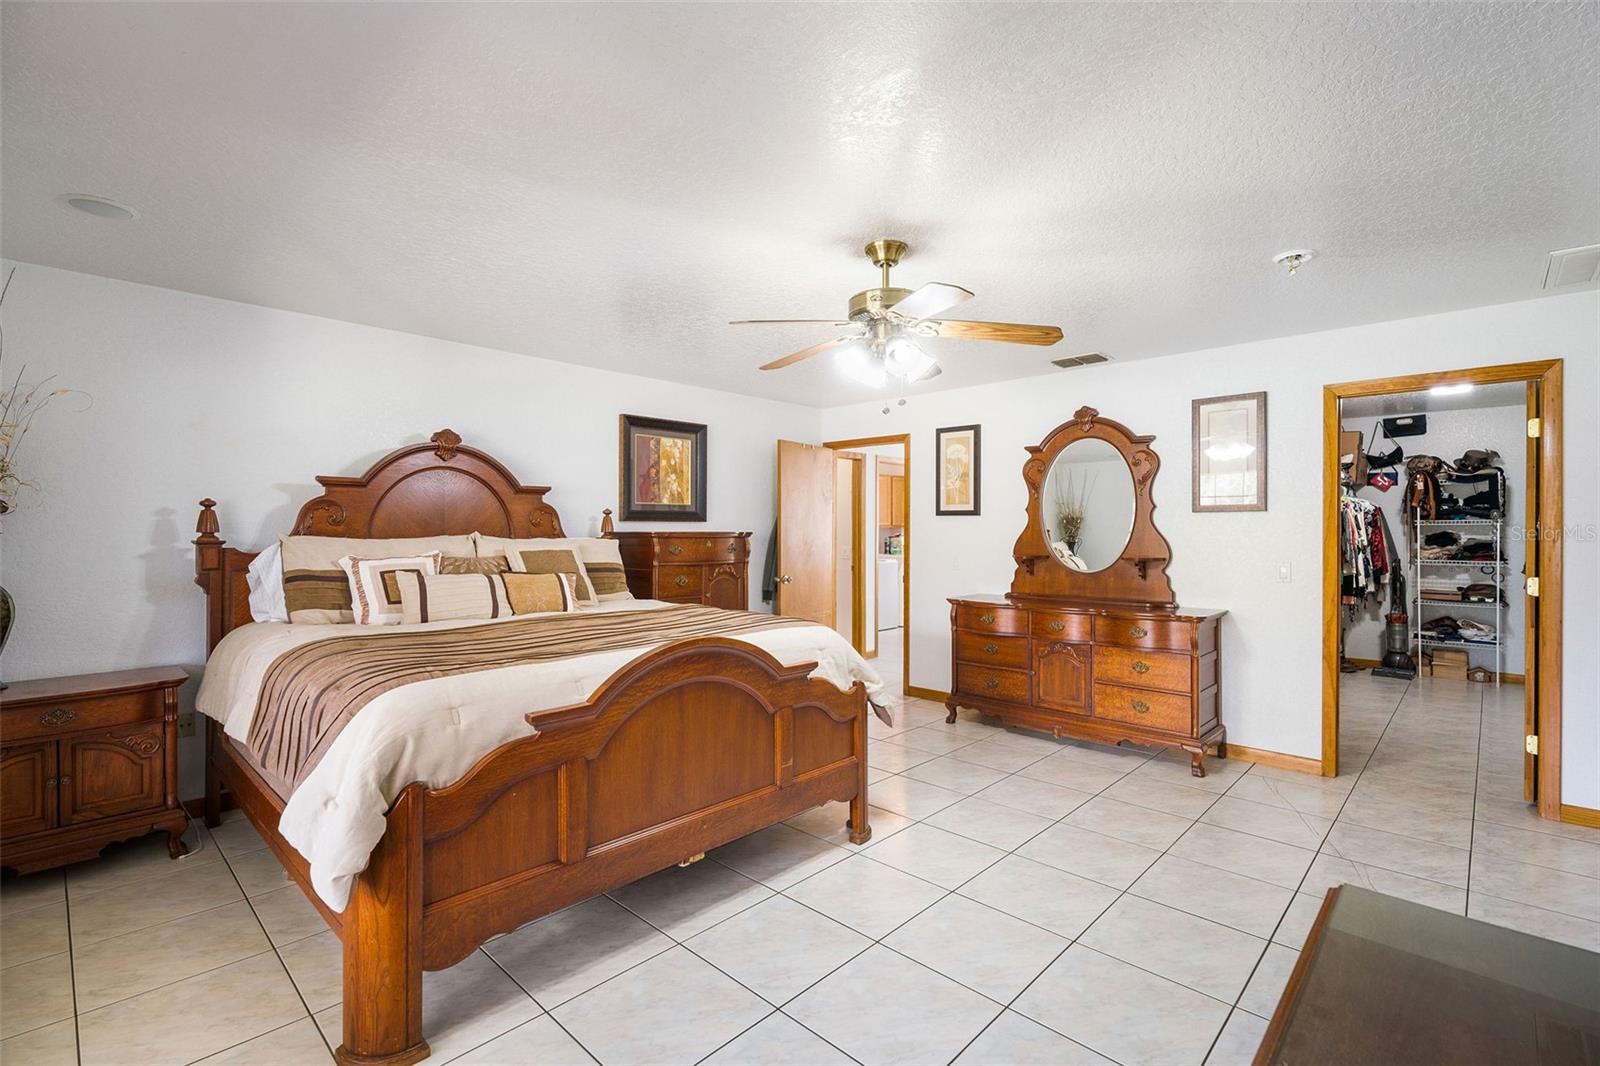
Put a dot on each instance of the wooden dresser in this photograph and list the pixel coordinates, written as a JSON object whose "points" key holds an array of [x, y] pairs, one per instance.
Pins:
{"points": [[88, 761], [688, 567], [1090, 642], [1090, 670]]}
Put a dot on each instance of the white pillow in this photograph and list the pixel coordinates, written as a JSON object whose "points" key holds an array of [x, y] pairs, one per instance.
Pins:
{"points": [[374, 596], [265, 578]]}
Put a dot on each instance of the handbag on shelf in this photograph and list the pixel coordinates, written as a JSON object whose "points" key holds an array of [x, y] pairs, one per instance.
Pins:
{"points": [[1405, 426], [1388, 458]]}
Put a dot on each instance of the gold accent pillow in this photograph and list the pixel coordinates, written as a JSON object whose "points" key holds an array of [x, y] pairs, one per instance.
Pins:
{"points": [[474, 564], [564, 560], [534, 593]]}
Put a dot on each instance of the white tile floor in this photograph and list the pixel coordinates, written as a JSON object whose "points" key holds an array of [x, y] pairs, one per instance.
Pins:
{"points": [[1022, 900]]}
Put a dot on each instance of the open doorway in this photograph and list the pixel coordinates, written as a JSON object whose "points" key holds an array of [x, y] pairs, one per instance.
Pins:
{"points": [[1442, 564], [879, 556]]}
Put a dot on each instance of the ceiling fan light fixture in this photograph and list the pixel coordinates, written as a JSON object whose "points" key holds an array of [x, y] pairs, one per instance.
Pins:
{"points": [[906, 359], [859, 363]]}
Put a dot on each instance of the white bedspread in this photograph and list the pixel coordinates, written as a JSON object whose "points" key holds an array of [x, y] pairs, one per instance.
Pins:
{"points": [[434, 731]]}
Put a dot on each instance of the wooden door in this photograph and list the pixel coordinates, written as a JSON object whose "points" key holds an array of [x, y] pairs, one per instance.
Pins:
{"points": [[805, 532], [1061, 677], [115, 772], [897, 500], [27, 788]]}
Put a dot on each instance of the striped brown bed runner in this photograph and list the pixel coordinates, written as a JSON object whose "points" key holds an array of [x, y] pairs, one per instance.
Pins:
{"points": [[310, 693]]}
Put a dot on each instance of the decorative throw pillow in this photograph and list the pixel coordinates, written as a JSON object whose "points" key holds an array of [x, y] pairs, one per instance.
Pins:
{"points": [[512, 549], [444, 597], [474, 564], [602, 562], [315, 589], [539, 593], [554, 557], [375, 586]]}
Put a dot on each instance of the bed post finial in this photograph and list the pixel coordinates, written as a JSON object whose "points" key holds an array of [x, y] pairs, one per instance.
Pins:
{"points": [[606, 528], [207, 525], [446, 442]]}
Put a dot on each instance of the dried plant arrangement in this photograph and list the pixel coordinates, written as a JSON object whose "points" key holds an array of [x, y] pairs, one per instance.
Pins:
{"points": [[20, 404], [1072, 503]]}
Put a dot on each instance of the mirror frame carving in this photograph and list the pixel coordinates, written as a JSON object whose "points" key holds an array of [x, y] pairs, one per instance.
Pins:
{"points": [[1139, 575]]}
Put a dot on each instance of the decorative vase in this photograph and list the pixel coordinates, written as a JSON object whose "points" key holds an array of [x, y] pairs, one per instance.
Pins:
{"points": [[8, 614]]}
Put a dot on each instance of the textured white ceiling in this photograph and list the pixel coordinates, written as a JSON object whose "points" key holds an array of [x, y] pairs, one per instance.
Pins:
{"points": [[610, 184]]}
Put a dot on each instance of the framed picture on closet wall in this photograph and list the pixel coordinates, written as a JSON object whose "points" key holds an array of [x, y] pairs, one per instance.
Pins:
{"points": [[1230, 452], [960, 478]]}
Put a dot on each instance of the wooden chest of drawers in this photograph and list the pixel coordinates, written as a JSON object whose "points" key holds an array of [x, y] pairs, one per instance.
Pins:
{"points": [[1093, 670], [688, 567], [88, 761]]}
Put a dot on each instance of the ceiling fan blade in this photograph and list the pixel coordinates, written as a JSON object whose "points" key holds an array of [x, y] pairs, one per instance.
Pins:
{"points": [[930, 300], [806, 353], [1008, 332], [788, 322]]}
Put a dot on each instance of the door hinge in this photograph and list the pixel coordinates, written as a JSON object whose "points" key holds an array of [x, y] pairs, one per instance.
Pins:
{"points": [[1533, 587], [1531, 743], [1534, 425]]}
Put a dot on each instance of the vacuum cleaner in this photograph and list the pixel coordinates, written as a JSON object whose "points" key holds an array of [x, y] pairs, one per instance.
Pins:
{"points": [[1397, 660]]}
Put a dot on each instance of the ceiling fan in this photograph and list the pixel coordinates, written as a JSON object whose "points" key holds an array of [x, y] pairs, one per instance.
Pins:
{"points": [[878, 337]]}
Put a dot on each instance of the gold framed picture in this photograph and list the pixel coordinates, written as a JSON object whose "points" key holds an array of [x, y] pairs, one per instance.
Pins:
{"points": [[960, 473]]}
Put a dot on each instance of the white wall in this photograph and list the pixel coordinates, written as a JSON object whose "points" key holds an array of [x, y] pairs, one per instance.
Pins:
{"points": [[197, 397], [1272, 636], [1450, 434]]}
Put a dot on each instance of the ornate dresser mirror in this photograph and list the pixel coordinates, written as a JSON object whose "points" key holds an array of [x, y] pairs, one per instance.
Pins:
{"points": [[1090, 532], [1089, 642]]}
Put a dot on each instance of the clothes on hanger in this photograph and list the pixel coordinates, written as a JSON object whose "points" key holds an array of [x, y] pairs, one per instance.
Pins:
{"points": [[1366, 549]]}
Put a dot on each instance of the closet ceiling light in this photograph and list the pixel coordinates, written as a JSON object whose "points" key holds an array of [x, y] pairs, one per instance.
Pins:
{"points": [[1450, 390], [100, 207]]}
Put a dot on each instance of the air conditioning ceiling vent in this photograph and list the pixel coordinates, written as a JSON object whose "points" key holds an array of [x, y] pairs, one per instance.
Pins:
{"points": [[1087, 359], [1573, 266]]}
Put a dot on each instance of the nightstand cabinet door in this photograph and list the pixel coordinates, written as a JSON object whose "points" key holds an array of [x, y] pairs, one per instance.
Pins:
{"points": [[1061, 675], [27, 788], [725, 587], [113, 772]]}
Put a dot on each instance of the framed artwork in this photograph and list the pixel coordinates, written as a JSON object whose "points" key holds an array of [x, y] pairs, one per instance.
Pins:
{"points": [[957, 451], [663, 475], [1230, 453]]}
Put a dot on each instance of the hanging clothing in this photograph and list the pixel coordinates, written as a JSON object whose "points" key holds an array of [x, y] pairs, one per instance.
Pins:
{"points": [[1365, 549]]}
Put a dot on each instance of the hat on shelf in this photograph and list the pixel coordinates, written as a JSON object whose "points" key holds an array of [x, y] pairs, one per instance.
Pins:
{"points": [[1476, 459]]}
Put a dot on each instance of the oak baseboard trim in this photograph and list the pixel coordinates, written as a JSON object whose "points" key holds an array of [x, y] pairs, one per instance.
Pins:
{"points": [[1588, 816], [927, 693], [1299, 763]]}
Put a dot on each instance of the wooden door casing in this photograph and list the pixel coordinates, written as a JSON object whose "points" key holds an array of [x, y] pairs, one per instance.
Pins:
{"points": [[27, 788], [115, 772], [1062, 676], [805, 532]]}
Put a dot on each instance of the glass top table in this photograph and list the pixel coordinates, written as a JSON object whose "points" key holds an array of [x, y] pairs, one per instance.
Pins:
{"points": [[1384, 980]]}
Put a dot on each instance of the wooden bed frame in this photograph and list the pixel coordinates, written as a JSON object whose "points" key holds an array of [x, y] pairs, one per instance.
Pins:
{"points": [[687, 748]]}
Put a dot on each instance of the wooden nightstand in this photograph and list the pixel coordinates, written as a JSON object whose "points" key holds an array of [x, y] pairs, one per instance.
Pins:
{"points": [[88, 761]]}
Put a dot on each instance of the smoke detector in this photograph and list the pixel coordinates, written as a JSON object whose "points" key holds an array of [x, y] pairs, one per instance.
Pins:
{"points": [[99, 206], [1087, 359], [1572, 266]]}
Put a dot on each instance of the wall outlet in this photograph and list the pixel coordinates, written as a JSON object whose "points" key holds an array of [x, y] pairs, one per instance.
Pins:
{"points": [[186, 724], [1285, 573]]}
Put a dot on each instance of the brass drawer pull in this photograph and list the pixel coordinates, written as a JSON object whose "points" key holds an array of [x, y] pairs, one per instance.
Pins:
{"points": [[50, 782], [1057, 625], [733, 547], [1139, 631], [66, 779], [57, 716], [1140, 666], [991, 682], [681, 580], [990, 649], [1141, 707], [986, 619], [674, 549]]}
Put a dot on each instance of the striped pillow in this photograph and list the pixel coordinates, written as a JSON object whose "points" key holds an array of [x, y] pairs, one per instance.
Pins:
{"points": [[315, 589], [602, 561], [513, 548], [374, 585], [452, 597], [555, 561], [474, 564]]}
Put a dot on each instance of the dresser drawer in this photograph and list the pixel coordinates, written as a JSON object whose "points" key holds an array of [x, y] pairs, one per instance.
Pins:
{"points": [[991, 618], [700, 549], [1063, 625], [1133, 632], [68, 714], [992, 650], [993, 684], [1151, 669], [679, 582], [1154, 710]]}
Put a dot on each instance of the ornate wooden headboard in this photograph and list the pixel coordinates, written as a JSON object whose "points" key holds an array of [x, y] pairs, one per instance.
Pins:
{"points": [[440, 488]]}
